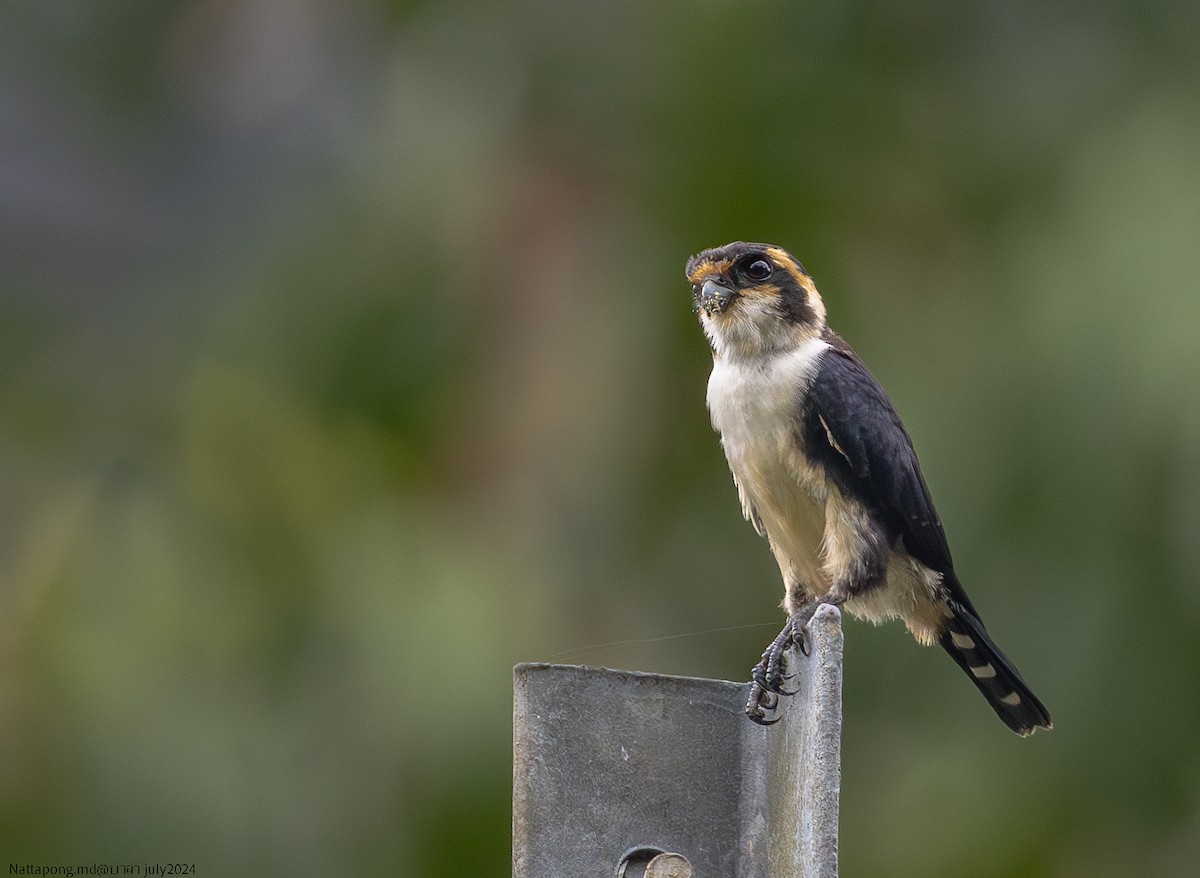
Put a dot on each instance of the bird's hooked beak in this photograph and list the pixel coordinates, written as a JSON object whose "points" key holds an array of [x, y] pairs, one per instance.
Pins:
{"points": [[714, 297]]}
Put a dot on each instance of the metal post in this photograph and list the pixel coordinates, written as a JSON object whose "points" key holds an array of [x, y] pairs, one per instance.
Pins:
{"points": [[620, 773]]}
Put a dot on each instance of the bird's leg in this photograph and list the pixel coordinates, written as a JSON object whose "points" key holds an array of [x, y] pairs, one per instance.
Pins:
{"points": [[767, 676]]}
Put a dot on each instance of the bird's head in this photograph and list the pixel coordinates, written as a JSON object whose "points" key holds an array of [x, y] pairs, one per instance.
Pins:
{"points": [[754, 298]]}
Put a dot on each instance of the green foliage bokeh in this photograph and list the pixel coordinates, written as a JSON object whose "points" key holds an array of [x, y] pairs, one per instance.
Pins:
{"points": [[346, 360]]}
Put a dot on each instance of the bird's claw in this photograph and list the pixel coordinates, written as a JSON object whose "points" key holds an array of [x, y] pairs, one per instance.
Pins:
{"points": [[769, 672], [760, 704], [768, 675]]}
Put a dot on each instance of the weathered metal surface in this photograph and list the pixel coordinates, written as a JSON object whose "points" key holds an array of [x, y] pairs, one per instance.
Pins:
{"points": [[619, 764]]}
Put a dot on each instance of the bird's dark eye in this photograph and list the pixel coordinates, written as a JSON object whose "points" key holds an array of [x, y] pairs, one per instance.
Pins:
{"points": [[759, 269]]}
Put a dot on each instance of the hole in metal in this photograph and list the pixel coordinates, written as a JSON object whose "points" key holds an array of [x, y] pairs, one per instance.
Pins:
{"points": [[634, 861]]}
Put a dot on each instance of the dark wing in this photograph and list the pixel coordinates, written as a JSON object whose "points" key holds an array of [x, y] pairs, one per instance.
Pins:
{"points": [[852, 427]]}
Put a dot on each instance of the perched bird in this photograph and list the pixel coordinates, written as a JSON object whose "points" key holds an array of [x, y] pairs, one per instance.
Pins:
{"points": [[827, 473]]}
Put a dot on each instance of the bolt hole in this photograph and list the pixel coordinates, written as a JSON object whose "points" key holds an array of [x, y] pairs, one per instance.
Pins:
{"points": [[633, 863]]}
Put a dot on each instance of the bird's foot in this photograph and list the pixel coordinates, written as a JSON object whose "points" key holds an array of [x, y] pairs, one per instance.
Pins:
{"points": [[761, 705], [768, 676]]}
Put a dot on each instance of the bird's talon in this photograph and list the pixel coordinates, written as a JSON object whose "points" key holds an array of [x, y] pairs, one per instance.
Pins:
{"points": [[768, 676], [759, 704]]}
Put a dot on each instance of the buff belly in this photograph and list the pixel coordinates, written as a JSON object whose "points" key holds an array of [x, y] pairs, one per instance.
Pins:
{"points": [[817, 536]]}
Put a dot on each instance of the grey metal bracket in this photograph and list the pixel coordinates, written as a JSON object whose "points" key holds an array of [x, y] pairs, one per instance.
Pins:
{"points": [[633, 775]]}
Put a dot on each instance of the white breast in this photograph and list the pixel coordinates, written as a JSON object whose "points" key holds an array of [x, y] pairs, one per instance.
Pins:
{"points": [[753, 403]]}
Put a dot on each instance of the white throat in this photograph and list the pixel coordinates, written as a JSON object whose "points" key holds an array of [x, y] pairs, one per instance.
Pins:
{"points": [[751, 329]]}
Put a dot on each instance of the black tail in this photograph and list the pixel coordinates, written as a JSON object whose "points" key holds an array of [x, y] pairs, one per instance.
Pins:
{"points": [[989, 669]]}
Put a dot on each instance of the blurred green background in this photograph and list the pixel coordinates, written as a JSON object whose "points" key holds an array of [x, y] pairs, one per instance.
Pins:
{"points": [[346, 360]]}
